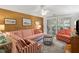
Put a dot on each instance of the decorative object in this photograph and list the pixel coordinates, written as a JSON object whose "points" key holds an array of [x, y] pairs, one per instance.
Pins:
{"points": [[10, 21], [27, 22]]}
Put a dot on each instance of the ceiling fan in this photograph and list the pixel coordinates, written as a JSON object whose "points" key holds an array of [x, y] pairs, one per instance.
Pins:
{"points": [[44, 10]]}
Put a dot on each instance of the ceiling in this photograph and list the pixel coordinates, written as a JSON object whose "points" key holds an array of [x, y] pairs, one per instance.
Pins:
{"points": [[36, 9]]}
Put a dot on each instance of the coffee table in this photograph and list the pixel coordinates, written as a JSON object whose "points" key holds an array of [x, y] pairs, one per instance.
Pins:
{"points": [[48, 41]]}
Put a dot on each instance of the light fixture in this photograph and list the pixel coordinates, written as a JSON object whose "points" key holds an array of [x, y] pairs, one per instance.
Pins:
{"points": [[44, 11]]}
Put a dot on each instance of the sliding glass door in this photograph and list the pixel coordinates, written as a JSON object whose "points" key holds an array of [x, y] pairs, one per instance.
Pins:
{"points": [[54, 24]]}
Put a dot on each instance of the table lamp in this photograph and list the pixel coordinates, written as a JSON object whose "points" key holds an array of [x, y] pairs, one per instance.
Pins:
{"points": [[37, 27], [2, 27]]}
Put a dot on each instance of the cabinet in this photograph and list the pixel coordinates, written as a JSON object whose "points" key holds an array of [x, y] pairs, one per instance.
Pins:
{"points": [[75, 44]]}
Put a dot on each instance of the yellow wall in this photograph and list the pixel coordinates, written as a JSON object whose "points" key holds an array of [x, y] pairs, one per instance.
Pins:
{"points": [[18, 17]]}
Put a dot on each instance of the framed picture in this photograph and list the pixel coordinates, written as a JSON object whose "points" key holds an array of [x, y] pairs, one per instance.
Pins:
{"points": [[27, 22], [10, 21]]}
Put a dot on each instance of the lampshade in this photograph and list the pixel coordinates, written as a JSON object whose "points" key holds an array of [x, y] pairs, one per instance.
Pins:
{"points": [[37, 23], [2, 27]]}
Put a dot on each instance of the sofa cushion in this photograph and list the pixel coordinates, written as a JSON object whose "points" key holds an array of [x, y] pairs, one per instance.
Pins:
{"points": [[27, 32], [18, 33]]}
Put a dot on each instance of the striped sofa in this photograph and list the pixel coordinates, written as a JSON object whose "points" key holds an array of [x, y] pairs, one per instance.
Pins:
{"points": [[20, 39]]}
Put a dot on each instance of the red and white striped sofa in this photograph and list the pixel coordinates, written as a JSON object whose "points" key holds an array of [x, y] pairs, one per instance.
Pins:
{"points": [[25, 35], [25, 46]]}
